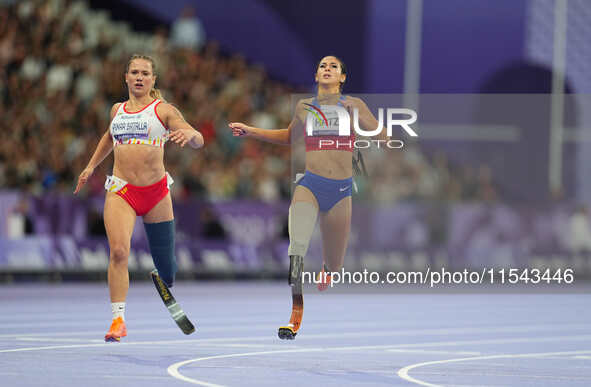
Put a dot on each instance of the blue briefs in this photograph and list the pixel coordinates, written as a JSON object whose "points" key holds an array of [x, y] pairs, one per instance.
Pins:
{"points": [[328, 192]]}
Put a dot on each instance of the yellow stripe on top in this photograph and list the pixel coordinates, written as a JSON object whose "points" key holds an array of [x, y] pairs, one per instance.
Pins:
{"points": [[135, 141]]}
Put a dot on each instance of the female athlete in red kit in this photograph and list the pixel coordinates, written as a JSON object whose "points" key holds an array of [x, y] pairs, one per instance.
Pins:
{"points": [[139, 186]]}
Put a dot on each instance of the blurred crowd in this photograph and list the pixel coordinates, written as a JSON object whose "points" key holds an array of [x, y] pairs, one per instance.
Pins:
{"points": [[412, 175], [61, 70]]}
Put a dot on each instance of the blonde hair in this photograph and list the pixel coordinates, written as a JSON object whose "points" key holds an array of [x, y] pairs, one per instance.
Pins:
{"points": [[154, 93]]}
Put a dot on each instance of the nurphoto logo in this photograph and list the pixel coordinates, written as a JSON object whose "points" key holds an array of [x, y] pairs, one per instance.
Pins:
{"points": [[334, 120]]}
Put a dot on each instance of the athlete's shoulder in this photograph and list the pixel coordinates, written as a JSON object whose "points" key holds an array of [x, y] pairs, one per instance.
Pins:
{"points": [[161, 102], [115, 108], [302, 103], [354, 101], [165, 107]]}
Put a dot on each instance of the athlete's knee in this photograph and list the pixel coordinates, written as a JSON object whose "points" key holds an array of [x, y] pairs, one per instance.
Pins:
{"points": [[161, 241], [119, 253]]}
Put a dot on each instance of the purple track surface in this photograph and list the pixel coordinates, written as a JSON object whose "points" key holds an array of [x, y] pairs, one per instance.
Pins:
{"points": [[52, 335]]}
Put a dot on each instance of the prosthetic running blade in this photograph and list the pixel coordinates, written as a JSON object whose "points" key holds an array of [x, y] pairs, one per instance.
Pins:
{"points": [[289, 332], [173, 307]]}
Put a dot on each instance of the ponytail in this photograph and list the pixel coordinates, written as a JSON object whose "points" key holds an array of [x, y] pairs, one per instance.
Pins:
{"points": [[155, 93]]}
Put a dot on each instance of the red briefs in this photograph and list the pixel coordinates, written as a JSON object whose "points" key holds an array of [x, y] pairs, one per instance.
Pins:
{"points": [[141, 198]]}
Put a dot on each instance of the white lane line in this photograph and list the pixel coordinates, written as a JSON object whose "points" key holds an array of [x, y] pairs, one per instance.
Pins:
{"points": [[393, 331], [217, 345], [173, 369], [204, 327], [505, 374], [403, 372], [76, 333], [250, 345], [269, 338], [60, 340], [149, 377], [27, 349], [512, 340], [433, 352]]}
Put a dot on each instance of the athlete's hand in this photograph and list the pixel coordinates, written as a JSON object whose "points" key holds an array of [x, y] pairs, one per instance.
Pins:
{"points": [[83, 178], [239, 129], [182, 136]]}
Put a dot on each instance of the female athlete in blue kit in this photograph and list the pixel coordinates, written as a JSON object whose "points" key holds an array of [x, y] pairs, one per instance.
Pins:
{"points": [[137, 133], [327, 184]]}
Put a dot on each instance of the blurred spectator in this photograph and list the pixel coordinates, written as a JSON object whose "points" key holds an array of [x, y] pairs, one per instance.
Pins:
{"points": [[211, 226], [486, 190], [59, 77], [19, 223], [187, 31], [96, 224]]}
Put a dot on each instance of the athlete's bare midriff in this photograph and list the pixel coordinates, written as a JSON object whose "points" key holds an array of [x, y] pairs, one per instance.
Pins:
{"points": [[139, 165], [332, 164]]}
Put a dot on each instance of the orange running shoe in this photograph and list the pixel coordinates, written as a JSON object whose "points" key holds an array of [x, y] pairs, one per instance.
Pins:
{"points": [[117, 330], [323, 279]]}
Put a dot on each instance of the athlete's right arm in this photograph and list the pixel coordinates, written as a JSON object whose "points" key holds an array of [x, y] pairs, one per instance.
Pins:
{"points": [[274, 136], [104, 147]]}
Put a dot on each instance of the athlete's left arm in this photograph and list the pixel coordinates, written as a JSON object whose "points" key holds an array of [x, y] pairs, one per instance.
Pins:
{"points": [[181, 132], [367, 121]]}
